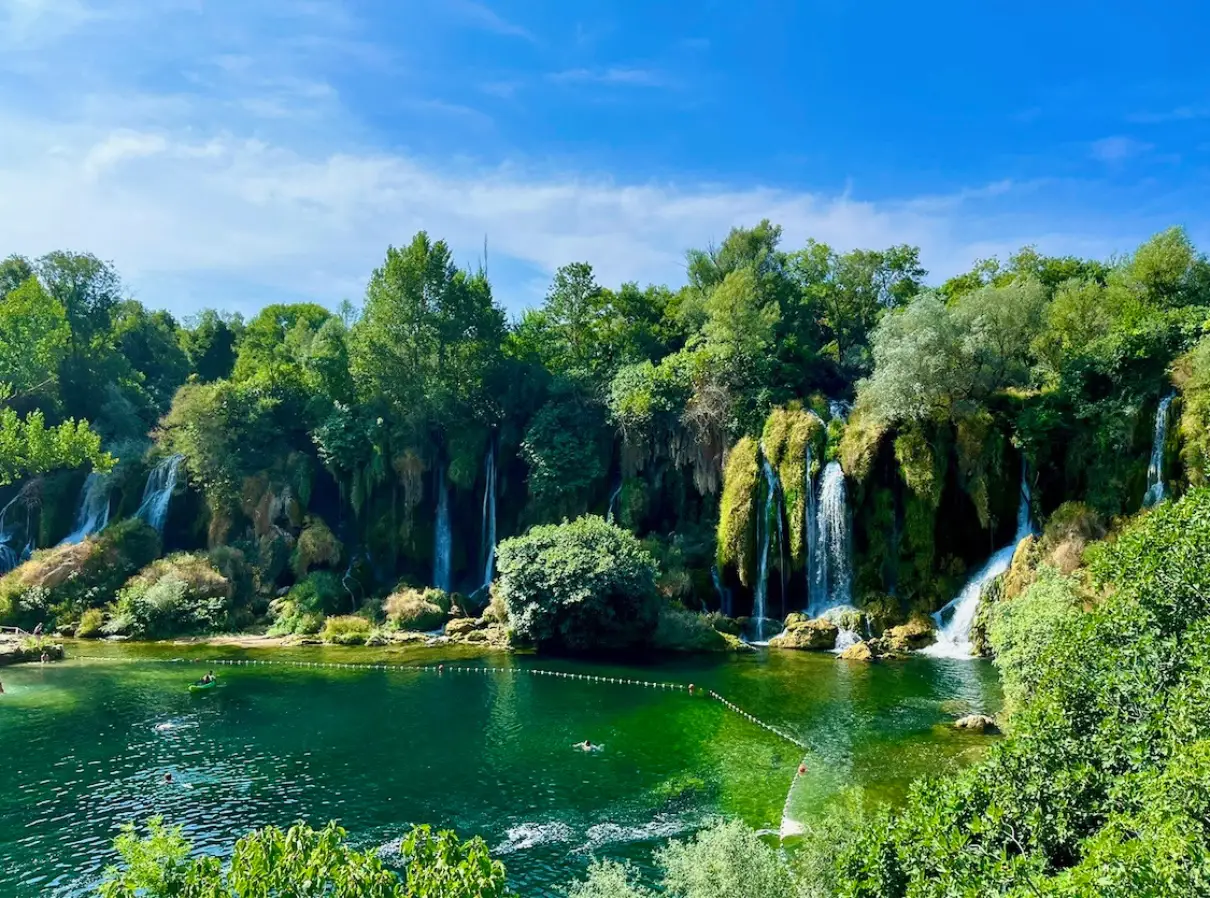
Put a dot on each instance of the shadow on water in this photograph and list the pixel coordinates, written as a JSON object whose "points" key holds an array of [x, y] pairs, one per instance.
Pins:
{"points": [[484, 747]]}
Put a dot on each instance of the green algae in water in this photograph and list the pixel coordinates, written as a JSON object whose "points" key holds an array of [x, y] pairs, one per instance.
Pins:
{"points": [[487, 753]]}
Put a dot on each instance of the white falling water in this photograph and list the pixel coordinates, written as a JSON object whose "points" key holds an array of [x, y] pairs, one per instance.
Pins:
{"points": [[760, 611], [954, 637], [610, 511], [834, 580], [816, 576], [442, 537], [488, 529], [1155, 469], [93, 516], [9, 557], [158, 492], [724, 594]]}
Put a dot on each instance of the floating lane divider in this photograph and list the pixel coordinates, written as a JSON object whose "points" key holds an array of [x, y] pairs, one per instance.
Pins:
{"points": [[464, 669]]}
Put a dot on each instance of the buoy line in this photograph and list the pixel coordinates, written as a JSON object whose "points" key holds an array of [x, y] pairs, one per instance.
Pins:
{"points": [[462, 669]]}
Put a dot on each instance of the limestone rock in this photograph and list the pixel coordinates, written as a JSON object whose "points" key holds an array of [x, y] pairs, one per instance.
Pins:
{"points": [[916, 634], [859, 651], [977, 723], [808, 635], [461, 626]]}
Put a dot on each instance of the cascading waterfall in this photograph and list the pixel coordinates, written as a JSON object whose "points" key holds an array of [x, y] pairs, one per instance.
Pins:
{"points": [[1155, 469], [610, 511], [816, 587], [834, 579], [93, 516], [954, 637], [724, 594], [488, 528], [9, 557], [442, 537], [760, 611], [158, 492]]}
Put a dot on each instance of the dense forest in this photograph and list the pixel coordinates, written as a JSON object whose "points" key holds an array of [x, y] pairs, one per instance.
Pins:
{"points": [[339, 453]]}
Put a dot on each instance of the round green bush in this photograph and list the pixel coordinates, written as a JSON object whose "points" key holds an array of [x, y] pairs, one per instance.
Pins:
{"points": [[580, 585]]}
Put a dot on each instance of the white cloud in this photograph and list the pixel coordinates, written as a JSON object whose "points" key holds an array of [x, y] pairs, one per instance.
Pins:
{"points": [[1116, 150], [481, 16], [185, 208], [618, 75]]}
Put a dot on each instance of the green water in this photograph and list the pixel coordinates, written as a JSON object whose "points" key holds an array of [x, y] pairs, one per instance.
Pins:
{"points": [[86, 744]]}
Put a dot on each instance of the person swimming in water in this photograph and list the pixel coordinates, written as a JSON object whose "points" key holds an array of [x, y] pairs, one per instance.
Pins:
{"points": [[167, 778], [586, 745]]}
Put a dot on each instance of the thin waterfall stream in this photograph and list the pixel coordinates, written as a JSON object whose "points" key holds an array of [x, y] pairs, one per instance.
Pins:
{"points": [[1155, 468]]}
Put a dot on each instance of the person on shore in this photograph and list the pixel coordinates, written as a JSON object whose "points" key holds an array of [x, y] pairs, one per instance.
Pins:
{"points": [[1, 689], [38, 630], [45, 658]]}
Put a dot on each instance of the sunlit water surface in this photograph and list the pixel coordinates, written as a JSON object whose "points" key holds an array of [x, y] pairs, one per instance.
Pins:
{"points": [[86, 745]]}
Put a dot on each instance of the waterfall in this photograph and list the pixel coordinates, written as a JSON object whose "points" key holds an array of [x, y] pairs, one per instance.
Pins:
{"points": [[954, 638], [834, 578], [442, 538], [816, 587], [488, 528], [610, 513], [93, 515], [760, 611], [1155, 470], [724, 594], [9, 557], [158, 492]]}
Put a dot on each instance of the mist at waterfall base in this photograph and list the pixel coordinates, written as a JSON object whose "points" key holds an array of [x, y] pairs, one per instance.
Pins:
{"points": [[954, 621], [1155, 468]]}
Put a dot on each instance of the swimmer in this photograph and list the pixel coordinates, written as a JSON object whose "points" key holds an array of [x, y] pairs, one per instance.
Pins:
{"points": [[167, 778], [161, 727], [586, 745]]}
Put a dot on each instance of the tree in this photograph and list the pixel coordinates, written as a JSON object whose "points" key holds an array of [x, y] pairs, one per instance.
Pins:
{"points": [[580, 585], [209, 340], [34, 339], [28, 446]]}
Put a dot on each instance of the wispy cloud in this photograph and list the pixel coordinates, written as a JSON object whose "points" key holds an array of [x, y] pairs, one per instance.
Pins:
{"points": [[617, 75], [1118, 149], [1179, 114], [181, 212], [480, 16]]}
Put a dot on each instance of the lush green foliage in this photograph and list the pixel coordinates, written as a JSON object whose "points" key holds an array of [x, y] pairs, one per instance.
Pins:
{"points": [[346, 629], [580, 585], [177, 595], [303, 863], [415, 609], [1099, 789]]}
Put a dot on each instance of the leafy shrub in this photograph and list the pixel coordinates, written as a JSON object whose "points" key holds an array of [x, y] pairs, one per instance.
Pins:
{"points": [[302, 610], [610, 879], [178, 595], [90, 624], [346, 629], [1100, 787], [413, 609], [302, 861], [679, 630], [1068, 532], [579, 585], [79, 576], [316, 545]]}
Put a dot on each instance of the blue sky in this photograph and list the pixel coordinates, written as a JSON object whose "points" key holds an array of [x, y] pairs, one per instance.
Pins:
{"points": [[232, 153]]}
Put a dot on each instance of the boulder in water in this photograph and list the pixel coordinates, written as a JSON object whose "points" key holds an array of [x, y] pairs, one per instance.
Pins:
{"points": [[859, 651], [916, 634], [794, 618], [977, 723], [808, 635]]}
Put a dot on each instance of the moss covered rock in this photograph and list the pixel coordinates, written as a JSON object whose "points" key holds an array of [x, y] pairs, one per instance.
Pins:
{"points": [[413, 609], [859, 651], [916, 634], [808, 635], [686, 631]]}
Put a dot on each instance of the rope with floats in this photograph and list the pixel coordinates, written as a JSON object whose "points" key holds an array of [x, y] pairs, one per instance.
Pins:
{"points": [[441, 668]]}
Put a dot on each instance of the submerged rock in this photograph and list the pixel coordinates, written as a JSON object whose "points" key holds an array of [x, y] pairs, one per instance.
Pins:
{"points": [[977, 723], [807, 635]]}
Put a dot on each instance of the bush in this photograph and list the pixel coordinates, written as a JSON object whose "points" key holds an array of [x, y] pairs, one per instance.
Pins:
{"points": [[78, 576], [679, 630], [316, 545], [412, 609], [1070, 530], [579, 585], [304, 607], [302, 861], [346, 629], [90, 624], [174, 596], [1101, 787]]}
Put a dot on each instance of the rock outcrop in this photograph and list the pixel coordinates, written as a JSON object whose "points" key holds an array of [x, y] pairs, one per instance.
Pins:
{"points": [[977, 723], [816, 635]]}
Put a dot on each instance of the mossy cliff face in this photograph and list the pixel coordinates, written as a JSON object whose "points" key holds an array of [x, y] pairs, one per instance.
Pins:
{"points": [[737, 511]]}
